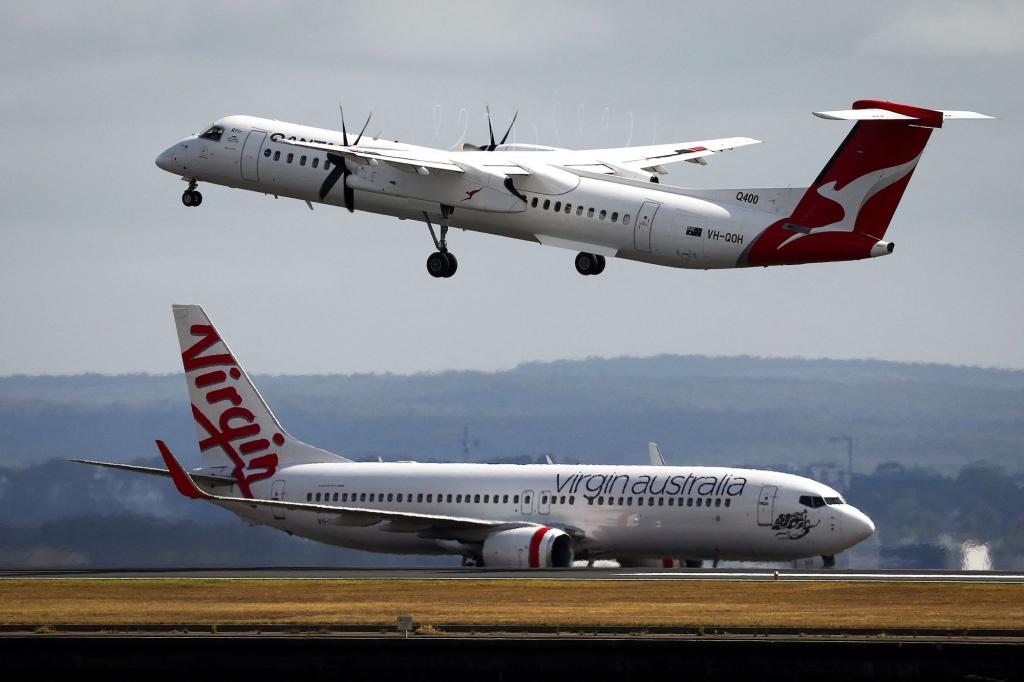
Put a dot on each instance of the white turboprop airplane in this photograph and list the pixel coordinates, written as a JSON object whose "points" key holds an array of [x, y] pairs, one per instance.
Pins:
{"points": [[495, 515], [600, 202]]}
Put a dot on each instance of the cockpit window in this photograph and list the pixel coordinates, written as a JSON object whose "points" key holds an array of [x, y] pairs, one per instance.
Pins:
{"points": [[213, 133], [815, 501]]}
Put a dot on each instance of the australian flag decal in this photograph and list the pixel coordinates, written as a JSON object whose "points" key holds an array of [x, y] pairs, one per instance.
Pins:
{"points": [[694, 231]]}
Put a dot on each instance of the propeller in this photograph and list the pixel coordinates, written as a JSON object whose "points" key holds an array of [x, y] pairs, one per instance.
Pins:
{"points": [[490, 129], [340, 170]]}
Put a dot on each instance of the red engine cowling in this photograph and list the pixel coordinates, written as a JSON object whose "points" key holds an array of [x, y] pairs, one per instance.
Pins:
{"points": [[530, 547]]}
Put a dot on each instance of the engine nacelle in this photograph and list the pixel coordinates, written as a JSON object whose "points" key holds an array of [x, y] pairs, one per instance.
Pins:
{"points": [[881, 248], [530, 547]]}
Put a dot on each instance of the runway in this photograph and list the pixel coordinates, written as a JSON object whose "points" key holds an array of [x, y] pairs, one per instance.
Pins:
{"points": [[607, 574]]}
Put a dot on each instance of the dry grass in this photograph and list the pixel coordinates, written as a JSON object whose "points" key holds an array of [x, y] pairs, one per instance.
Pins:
{"points": [[513, 602]]}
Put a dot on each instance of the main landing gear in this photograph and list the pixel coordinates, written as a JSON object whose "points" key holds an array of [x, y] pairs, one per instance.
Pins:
{"points": [[589, 264], [191, 197], [441, 263]]}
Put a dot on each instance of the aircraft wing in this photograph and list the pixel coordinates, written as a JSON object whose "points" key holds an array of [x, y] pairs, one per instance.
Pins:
{"points": [[436, 525], [417, 161], [210, 480], [652, 157]]}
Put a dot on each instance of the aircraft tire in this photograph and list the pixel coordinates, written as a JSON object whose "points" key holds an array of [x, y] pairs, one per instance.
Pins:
{"points": [[586, 263], [453, 265], [600, 265], [188, 198], [197, 198], [437, 264]]}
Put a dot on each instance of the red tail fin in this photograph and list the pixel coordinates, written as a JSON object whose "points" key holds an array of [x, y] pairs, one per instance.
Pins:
{"points": [[846, 211]]}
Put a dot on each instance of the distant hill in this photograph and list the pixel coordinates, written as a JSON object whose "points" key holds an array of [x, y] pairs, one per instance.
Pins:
{"points": [[737, 410]]}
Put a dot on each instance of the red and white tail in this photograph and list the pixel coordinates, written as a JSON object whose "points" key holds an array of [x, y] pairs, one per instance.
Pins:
{"points": [[238, 434], [845, 213]]}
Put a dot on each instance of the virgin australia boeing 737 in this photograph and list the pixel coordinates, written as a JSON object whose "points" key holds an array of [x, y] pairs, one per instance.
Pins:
{"points": [[601, 202], [496, 515]]}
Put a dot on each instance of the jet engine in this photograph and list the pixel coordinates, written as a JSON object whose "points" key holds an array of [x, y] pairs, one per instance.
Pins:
{"points": [[529, 547]]}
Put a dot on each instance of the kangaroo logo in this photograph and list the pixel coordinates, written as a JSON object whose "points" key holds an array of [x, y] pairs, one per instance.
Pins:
{"points": [[854, 195]]}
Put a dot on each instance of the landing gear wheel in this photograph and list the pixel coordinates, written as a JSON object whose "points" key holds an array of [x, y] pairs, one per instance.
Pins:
{"points": [[586, 263], [197, 199], [188, 198], [453, 265], [600, 265], [438, 264]]}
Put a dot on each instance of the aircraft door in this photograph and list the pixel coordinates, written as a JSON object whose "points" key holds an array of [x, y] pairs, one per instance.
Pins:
{"points": [[527, 502], [544, 503], [277, 493], [251, 154], [642, 226], [766, 505]]}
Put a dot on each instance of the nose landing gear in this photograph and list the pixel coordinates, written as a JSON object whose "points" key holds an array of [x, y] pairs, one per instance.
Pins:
{"points": [[190, 197], [441, 263], [589, 264]]}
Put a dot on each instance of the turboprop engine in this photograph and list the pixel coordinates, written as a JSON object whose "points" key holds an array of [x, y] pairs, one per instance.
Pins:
{"points": [[529, 547]]}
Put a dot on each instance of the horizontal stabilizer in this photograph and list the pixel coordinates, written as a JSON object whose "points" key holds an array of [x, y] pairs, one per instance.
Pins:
{"points": [[212, 481], [879, 110]]}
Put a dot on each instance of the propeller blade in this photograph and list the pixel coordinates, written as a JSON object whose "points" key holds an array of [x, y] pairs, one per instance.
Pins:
{"points": [[509, 128], [344, 133], [363, 130], [490, 128], [339, 171], [350, 197]]}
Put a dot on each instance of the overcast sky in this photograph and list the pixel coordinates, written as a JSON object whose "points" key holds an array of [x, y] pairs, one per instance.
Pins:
{"points": [[96, 246]]}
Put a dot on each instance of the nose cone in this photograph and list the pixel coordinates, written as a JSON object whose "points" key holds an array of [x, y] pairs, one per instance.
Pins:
{"points": [[857, 525], [165, 161]]}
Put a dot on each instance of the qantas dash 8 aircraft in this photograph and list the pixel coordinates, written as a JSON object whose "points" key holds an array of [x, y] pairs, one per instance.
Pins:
{"points": [[495, 515], [600, 202]]}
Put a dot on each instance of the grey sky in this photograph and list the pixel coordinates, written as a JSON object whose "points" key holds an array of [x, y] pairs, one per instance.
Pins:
{"points": [[95, 245]]}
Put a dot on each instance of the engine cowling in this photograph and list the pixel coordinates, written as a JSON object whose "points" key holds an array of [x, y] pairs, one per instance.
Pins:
{"points": [[530, 547]]}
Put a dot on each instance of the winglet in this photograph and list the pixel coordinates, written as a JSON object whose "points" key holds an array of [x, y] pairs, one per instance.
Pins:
{"points": [[182, 481], [657, 459]]}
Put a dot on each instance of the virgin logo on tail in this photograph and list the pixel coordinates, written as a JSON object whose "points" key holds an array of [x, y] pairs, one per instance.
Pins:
{"points": [[852, 197], [228, 423]]}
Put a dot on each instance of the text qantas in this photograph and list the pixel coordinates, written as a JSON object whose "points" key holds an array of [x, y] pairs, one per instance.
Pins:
{"points": [[625, 484]]}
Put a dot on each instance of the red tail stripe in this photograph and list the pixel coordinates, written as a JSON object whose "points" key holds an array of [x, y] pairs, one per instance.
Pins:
{"points": [[535, 546]]}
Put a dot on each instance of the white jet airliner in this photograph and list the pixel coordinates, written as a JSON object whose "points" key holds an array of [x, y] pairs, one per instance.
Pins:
{"points": [[601, 202], [495, 515]]}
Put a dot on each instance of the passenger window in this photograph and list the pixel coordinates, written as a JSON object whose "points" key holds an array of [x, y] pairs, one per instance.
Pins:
{"points": [[625, 220], [650, 502], [290, 157], [718, 501], [213, 133], [316, 161], [547, 204], [450, 497], [572, 499], [419, 497], [629, 501], [661, 501], [615, 216], [590, 212], [390, 497], [504, 499], [429, 497], [476, 499], [579, 210], [327, 164], [558, 206], [309, 497], [277, 155], [458, 498], [344, 497], [620, 501], [335, 497], [603, 214], [671, 501], [399, 496], [526, 499], [371, 497], [318, 497], [534, 202], [362, 497], [727, 501], [487, 498], [544, 499], [562, 501], [515, 499], [302, 160], [639, 501], [699, 500], [568, 209]]}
